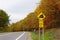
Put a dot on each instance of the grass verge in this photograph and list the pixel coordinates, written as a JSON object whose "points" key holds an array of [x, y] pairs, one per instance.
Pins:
{"points": [[34, 36], [47, 36]]}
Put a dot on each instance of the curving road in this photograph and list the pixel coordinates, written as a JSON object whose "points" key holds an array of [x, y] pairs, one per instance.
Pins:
{"points": [[14, 36]]}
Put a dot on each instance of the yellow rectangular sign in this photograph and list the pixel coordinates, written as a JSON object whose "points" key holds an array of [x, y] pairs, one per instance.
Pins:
{"points": [[41, 25]]}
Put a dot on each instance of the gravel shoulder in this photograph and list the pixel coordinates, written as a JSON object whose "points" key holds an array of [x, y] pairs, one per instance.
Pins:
{"points": [[56, 33], [29, 36]]}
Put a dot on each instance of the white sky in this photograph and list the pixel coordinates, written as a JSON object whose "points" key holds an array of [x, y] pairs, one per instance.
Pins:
{"points": [[18, 9]]}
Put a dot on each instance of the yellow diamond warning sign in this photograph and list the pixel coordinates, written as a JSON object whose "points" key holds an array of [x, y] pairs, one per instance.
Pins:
{"points": [[41, 17]]}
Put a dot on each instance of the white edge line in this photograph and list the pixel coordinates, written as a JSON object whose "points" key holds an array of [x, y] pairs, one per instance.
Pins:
{"points": [[20, 36]]}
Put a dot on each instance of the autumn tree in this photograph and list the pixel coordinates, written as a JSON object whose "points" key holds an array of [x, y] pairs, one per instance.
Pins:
{"points": [[33, 20], [51, 8]]}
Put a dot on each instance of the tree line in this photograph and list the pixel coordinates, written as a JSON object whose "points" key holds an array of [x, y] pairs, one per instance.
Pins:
{"points": [[50, 8]]}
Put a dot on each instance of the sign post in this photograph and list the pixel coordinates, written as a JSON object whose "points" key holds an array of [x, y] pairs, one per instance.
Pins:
{"points": [[41, 17]]}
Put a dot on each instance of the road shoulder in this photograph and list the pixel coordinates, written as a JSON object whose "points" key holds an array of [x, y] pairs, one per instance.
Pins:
{"points": [[29, 36]]}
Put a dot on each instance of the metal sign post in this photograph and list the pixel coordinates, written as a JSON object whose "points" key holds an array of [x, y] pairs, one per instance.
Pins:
{"points": [[42, 34], [41, 17], [39, 33]]}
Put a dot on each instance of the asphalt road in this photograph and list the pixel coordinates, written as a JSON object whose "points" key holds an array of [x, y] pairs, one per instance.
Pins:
{"points": [[14, 36]]}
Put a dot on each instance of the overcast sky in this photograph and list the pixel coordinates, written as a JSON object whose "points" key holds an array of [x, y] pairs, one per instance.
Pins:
{"points": [[18, 9]]}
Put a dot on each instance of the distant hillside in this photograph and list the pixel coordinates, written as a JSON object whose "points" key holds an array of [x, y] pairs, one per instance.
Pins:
{"points": [[29, 23], [50, 8]]}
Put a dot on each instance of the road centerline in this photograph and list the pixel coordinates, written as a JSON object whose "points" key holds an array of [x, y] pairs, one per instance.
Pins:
{"points": [[20, 36]]}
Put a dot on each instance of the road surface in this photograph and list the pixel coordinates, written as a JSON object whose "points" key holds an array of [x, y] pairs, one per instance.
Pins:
{"points": [[14, 36]]}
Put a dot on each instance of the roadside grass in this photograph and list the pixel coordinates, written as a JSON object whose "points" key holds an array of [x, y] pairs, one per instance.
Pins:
{"points": [[34, 36], [47, 36]]}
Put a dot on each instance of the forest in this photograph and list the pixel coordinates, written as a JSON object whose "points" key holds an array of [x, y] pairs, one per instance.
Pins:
{"points": [[50, 8]]}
